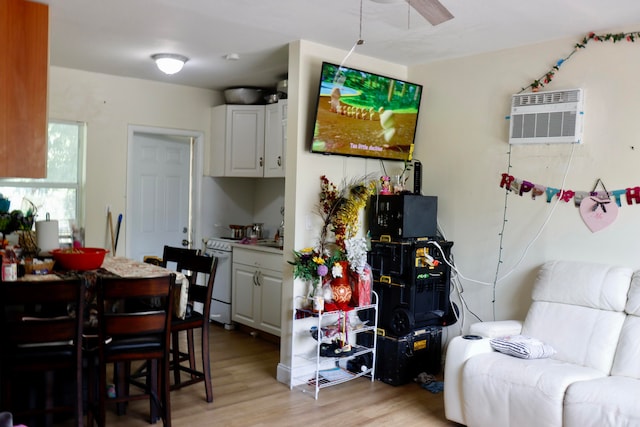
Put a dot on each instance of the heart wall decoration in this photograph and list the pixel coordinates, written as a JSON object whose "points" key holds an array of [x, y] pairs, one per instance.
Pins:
{"points": [[598, 213]]}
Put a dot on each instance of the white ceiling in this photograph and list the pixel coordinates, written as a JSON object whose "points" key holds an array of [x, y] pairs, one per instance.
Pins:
{"points": [[119, 36]]}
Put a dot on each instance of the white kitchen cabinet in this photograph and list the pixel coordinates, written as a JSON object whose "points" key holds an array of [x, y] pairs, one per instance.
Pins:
{"points": [[247, 141], [237, 141], [275, 139], [257, 289]]}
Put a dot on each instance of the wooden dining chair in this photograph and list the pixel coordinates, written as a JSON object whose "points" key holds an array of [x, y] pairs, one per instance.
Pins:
{"points": [[41, 328], [199, 298], [171, 255], [132, 327]]}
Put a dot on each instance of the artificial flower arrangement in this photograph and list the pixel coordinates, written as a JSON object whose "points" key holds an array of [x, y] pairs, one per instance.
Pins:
{"points": [[337, 245]]}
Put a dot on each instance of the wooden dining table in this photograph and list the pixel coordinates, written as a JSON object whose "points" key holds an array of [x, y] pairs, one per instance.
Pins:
{"points": [[123, 267]]}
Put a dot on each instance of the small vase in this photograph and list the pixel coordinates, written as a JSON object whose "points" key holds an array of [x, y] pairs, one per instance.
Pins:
{"points": [[340, 286]]}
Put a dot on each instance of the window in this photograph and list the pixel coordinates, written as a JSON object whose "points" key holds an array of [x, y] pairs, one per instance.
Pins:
{"points": [[59, 195]]}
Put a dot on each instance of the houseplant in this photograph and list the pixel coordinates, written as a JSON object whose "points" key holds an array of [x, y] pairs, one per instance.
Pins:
{"points": [[339, 208]]}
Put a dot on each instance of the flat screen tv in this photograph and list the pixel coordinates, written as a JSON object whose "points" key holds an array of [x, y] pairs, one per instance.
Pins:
{"points": [[359, 113]]}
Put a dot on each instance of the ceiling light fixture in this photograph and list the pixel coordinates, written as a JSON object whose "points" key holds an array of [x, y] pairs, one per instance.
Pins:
{"points": [[169, 63]]}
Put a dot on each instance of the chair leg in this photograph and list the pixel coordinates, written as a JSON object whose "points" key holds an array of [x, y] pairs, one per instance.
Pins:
{"points": [[165, 390], [91, 391], [79, 396], [102, 396], [48, 397], [120, 375], [152, 389], [175, 357], [191, 351], [206, 363]]}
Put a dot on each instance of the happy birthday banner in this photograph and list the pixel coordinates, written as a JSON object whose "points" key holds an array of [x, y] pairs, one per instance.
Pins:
{"points": [[522, 187]]}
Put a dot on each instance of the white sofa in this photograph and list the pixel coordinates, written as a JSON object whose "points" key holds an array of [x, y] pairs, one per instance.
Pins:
{"points": [[590, 314]]}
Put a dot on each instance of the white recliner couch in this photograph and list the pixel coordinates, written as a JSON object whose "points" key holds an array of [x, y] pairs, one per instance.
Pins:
{"points": [[590, 314]]}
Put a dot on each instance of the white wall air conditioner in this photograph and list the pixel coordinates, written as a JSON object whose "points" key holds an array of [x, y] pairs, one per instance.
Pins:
{"points": [[553, 117]]}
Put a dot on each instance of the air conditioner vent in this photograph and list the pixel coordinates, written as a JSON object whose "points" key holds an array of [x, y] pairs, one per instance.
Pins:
{"points": [[554, 117]]}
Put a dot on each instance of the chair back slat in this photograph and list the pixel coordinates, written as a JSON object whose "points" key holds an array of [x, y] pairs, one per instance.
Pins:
{"points": [[134, 324], [146, 287], [42, 331]]}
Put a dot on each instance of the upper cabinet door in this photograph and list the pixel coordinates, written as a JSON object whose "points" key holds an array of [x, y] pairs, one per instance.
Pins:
{"points": [[237, 141], [275, 139], [245, 140], [24, 40]]}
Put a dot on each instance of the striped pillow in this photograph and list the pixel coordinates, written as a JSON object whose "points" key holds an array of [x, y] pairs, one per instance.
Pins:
{"points": [[522, 346]]}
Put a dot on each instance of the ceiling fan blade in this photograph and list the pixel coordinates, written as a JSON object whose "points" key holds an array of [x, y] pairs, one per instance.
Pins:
{"points": [[432, 10]]}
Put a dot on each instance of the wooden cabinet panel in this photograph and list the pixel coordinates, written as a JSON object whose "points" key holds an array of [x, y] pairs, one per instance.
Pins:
{"points": [[24, 40]]}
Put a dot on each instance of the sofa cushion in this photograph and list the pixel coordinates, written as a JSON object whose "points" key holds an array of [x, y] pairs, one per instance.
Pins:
{"points": [[627, 359], [578, 309], [500, 390], [581, 335], [586, 284], [603, 402]]}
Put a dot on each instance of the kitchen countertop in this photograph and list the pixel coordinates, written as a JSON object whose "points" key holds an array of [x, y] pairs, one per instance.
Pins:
{"points": [[258, 247]]}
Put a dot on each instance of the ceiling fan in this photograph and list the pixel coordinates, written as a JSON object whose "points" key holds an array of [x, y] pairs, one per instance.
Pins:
{"points": [[432, 10]]}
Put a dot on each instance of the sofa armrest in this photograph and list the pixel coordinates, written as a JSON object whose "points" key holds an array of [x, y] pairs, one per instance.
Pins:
{"points": [[459, 350], [499, 328]]}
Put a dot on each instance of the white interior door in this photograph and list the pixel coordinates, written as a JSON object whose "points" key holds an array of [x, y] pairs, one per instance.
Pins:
{"points": [[158, 195]]}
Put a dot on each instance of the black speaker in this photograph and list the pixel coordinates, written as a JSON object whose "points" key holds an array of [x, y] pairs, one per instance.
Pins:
{"points": [[417, 177], [403, 216]]}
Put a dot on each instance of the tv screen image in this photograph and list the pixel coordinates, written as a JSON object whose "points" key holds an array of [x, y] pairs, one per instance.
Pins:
{"points": [[359, 113]]}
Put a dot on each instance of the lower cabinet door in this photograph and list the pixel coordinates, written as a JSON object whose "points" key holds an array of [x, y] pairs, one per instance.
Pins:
{"points": [[244, 308], [270, 301]]}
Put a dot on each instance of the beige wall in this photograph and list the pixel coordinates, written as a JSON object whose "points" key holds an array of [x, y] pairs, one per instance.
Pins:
{"points": [[462, 143], [109, 104]]}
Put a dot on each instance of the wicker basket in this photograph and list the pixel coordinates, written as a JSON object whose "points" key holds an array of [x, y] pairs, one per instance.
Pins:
{"points": [[40, 267]]}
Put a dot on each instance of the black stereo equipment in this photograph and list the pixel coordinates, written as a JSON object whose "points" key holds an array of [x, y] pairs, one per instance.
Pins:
{"points": [[403, 216]]}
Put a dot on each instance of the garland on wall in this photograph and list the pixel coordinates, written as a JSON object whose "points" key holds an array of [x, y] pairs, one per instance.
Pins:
{"points": [[546, 78], [597, 210], [522, 187]]}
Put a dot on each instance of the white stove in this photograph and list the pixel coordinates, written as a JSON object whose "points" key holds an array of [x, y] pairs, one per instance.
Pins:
{"points": [[220, 247], [219, 243]]}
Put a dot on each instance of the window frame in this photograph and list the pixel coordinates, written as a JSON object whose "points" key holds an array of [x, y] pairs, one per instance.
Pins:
{"points": [[78, 185]]}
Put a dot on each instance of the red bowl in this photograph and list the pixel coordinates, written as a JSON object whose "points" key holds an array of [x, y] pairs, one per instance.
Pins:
{"points": [[79, 259]]}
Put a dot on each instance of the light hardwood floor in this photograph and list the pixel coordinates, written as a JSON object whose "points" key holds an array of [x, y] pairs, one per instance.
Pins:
{"points": [[246, 393]]}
